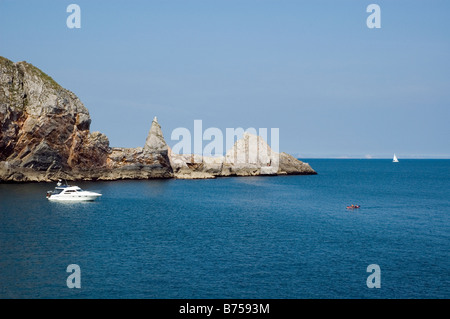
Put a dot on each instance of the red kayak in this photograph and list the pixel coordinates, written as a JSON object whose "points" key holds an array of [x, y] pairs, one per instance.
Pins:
{"points": [[353, 207]]}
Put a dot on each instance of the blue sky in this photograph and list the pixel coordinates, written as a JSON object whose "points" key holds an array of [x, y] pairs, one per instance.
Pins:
{"points": [[313, 69]]}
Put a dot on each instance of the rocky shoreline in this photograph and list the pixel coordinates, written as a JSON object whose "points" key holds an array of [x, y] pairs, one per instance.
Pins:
{"points": [[45, 136]]}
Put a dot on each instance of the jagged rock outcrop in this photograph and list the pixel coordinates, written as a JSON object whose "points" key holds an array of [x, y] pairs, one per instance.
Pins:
{"points": [[155, 140], [43, 126], [250, 156], [45, 136], [291, 166], [150, 161]]}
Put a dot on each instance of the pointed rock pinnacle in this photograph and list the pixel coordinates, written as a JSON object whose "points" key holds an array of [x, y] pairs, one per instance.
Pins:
{"points": [[155, 140]]}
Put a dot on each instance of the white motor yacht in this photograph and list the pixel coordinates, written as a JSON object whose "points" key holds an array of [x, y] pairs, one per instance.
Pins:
{"points": [[70, 193]]}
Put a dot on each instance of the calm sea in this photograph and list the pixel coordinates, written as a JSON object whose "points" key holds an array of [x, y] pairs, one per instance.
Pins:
{"points": [[250, 237]]}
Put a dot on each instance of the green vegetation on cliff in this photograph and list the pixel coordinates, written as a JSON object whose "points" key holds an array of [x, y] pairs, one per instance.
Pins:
{"points": [[40, 74]]}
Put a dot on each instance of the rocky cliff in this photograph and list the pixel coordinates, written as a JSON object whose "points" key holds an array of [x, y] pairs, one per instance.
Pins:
{"points": [[250, 156], [150, 161], [45, 135]]}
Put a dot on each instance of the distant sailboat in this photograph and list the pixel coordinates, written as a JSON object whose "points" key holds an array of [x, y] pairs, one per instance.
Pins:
{"points": [[395, 159]]}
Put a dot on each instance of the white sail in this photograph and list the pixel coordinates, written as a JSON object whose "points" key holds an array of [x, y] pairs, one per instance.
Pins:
{"points": [[395, 160]]}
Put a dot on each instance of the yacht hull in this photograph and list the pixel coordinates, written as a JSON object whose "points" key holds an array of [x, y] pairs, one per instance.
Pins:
{"points": [[77, 198]]}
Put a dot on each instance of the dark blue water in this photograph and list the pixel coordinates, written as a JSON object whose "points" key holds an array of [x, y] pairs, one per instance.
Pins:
{"points": [[252, 237]]}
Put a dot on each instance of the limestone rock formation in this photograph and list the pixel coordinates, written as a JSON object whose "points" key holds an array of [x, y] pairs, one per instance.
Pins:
{"points": [[155, 140], [43, 126], [250, 156], [291, 166], [150, 161], [44, 136]]}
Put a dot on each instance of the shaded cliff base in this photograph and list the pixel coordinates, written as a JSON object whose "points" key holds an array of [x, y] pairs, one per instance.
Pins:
{"points": [[145, 172], [183, 168], [24, 174], [250, 156]]}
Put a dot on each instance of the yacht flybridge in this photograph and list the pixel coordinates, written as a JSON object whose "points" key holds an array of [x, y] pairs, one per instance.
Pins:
{"points": [[70, 193]]}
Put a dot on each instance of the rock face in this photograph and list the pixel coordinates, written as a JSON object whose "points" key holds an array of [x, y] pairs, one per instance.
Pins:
{"points": [[151, 161], [155, 140], [45, 136], [250, 156]]}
